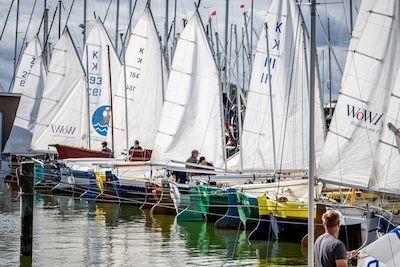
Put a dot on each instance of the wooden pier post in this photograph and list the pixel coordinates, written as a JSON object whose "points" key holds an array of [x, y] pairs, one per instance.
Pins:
{"points": [[25, 182]]}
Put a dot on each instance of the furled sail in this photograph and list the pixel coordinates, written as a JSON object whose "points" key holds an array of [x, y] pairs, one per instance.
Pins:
{"points": [[146, 78], [191, 115], [100, 61], [29, 81], [359, 145], [62, 115], [289, 72]]}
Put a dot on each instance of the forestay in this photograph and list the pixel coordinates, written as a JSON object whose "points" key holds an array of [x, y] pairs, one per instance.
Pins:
{"points": [[288, 62], [146, 78], [191, 116], [359, 144], [62, 115], [100, 61], [29, 81]]}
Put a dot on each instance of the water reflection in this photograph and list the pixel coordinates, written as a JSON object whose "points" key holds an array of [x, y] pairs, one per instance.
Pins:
{"points": [[71, 232]]}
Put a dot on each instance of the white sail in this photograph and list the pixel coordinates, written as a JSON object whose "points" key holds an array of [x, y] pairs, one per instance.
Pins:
{"points": [[30, 83], [289, 70], [358, 145], [62, 115], [191, 116], [386, 166], [384, 252], [25, 66], [99, 63], [146, 78]]}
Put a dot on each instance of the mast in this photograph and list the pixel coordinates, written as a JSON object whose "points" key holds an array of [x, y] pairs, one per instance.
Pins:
{"points": [[270, 97], [311, 150], [166, 32], [84, 22], [59, 19], [351, 17], [45, 30], [16, 39], [226, 46], [330, 70], [87, 91], [243, 62], [239, 116], [221, 103], [251, 37], [116, 28], [111, 97], [129, 18], [126, 101]]}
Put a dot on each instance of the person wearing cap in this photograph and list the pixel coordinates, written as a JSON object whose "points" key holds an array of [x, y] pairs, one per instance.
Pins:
{"points": [[329, 250], [105, 148]]}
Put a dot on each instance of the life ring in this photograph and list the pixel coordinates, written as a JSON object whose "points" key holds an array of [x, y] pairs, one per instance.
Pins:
{"points": [[396, 212]]}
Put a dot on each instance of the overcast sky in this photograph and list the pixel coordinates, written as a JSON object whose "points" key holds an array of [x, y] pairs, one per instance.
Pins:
{"points": [[338, 12]]}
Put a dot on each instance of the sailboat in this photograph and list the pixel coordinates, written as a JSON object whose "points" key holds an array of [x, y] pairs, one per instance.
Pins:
{"points": [[275, 132], [62, 117], [29, 82], [142, 85], [102, 72], [191, 115], [361, 150]]}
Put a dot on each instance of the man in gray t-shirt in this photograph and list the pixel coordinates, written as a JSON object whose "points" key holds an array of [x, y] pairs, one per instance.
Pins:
{"points": [[329, 250]]}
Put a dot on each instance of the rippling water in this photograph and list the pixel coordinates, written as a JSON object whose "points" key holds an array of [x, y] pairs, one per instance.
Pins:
{"points": [[71, 232]]}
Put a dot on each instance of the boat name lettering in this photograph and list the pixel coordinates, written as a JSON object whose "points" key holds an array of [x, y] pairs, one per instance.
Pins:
{"points": [[133, 74], [373, 263], [363, 114], [94, 66], [141, 50], [130, 87], [264, 77], [140, 60], [63, 129], [95, 80], [276, 45], [95, 54], [278, 27], [270, 61]]}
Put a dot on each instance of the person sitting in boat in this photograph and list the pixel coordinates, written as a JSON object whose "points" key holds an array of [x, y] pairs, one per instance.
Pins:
{"points": [[203, 161], [136, 146], [192, 159], [105, 148]]}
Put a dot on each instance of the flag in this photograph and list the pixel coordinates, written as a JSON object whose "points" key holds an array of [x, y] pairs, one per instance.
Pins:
{"points": [[214, 13], [241, 5]]}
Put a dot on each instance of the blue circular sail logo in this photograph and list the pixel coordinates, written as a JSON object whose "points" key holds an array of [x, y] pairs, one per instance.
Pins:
{"points": [[101, 120]]}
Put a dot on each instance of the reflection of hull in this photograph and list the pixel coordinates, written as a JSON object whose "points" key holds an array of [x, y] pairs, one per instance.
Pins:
{"points": [[68, 152]]}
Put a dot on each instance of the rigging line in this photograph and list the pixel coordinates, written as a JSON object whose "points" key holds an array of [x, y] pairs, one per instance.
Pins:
{"points": [[8, 15], [51, 26], [23, 41], [129, 26], [108, 9], [329, 43], [69, 13]]}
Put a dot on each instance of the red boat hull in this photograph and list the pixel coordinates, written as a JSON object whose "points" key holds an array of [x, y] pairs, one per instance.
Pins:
{"points": [[68, 152]]}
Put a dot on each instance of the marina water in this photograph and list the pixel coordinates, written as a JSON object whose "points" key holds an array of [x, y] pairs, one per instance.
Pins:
{"points": [[70, 232]]}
